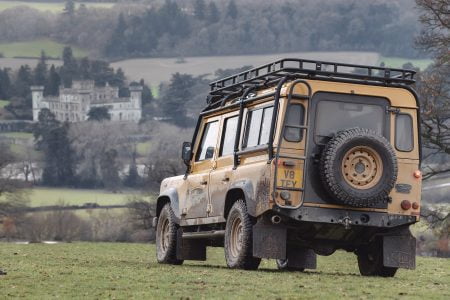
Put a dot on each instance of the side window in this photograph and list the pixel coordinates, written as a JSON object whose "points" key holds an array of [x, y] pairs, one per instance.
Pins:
{"points": [[258, 127], [208, 142], [404, 133], [295, 116], [228, 136]]}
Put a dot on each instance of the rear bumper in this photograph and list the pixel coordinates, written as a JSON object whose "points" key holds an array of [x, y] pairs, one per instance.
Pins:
{"points": [[347, 218]]}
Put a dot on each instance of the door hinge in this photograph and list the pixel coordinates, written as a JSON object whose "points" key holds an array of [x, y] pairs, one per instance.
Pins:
{"points": [[208, 208]]}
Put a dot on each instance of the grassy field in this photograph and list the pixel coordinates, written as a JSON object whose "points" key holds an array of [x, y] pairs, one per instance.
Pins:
{"points": [[48, 6], [144, 148], [52, 196], [19, 135], [3, 103], [123, 271], [398, 62], [34, 48]]}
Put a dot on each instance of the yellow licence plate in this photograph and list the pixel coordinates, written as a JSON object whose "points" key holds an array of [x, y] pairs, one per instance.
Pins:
{"points": [[289, 177]]}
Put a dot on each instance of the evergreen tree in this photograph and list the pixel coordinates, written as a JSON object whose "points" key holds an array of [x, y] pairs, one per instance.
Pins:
{"points": [[98, 114], [51, 137], [85, 69], [5, 84], [23, 82], [40, 72], [110, 170], [53, 82], [147, 95], [199, 9], [69, 68], [232, 10], [69, 8], [173, 102], [132, 179], [20, 102], [116, 46], [213, 13]]}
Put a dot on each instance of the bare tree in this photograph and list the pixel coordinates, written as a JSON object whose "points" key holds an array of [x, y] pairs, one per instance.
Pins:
{"points": [[100, 148], [434, 89], [164, 159], [434, 84], [435, 36]]}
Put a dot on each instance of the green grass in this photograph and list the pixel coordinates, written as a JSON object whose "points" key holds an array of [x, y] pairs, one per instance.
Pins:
{"points": [[3, 103], [24, 151], [155, 91], [19, 135], [398, 62], [52, 196], [34, 48], [123, 271], [143, 149], [48, 6]]}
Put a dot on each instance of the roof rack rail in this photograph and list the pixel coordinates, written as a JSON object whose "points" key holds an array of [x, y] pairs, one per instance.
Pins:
{"points": [[304, 68]]}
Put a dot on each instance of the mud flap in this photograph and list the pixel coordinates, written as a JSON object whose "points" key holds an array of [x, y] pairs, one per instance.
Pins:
{"points": [[301, 258], [269, 241], [190, 249], [399, 251]]}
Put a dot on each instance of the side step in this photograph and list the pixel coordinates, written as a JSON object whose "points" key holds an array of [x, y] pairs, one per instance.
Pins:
{"points": [[204, 234]]}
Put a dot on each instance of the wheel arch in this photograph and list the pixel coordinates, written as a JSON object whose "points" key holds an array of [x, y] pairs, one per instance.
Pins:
{"points": [[168, 196], [240, 190]]}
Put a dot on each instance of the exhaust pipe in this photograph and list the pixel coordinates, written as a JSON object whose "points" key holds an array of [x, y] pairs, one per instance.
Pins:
{"points": [[276, 219]]}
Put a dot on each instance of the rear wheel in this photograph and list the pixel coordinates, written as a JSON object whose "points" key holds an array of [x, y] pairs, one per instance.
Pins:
{"points": [[370, 261], [166, 237], [239, 239]]}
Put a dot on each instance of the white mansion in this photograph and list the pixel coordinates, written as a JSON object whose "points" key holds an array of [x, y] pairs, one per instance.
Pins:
{"points": [[73, 104]]}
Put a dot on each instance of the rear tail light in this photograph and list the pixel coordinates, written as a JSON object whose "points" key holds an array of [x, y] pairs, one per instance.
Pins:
{"points": [[415, 205], [405, 204], [417, 174]]}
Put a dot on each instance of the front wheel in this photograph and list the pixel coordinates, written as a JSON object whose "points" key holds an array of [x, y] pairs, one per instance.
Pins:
{"points": [[239, 239], [166, 237]]}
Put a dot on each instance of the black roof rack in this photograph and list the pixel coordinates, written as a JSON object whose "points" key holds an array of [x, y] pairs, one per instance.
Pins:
{"points": [[271, 73]]}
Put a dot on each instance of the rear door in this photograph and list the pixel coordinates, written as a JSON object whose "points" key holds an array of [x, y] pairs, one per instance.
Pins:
{"points": [[221, 175], [330, 113]]}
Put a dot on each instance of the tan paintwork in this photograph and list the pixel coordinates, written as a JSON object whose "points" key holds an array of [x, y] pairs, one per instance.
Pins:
{"points": [[201, 203]]}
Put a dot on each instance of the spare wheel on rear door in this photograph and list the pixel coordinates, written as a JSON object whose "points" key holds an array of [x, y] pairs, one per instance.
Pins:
{"points": [[358, 168]]}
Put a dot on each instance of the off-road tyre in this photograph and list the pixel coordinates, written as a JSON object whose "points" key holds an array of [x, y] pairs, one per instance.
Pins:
{"points": [[166, 237], [239, 239], [283, 265], [370, 261], [370, 151]]}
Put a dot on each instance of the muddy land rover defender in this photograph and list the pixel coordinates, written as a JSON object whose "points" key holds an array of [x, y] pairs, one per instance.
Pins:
{"points": [[298, 158]]}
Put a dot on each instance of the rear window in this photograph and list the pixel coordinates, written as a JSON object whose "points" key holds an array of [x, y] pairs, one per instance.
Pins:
{"points": [[295, 117], [333, 116], [404, 133], [257, 128]]}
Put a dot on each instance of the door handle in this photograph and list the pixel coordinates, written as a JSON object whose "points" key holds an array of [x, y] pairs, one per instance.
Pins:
{"points": [[226, 179], [204, 182]]}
